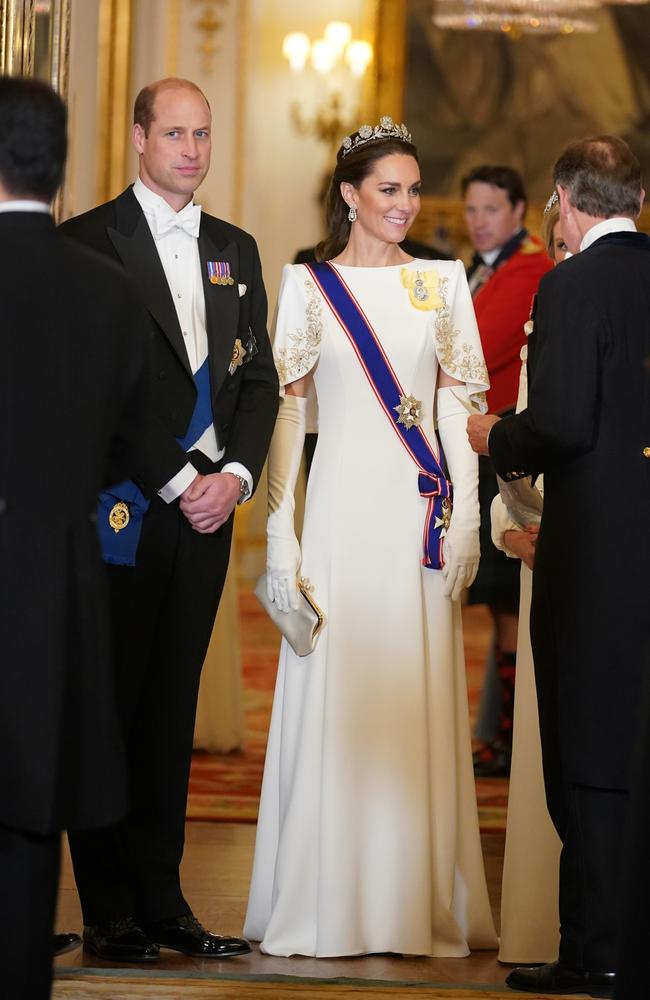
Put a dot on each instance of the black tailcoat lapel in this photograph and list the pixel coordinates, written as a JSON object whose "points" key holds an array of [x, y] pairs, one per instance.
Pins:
{"points": [[221, 305], [136, 248]]}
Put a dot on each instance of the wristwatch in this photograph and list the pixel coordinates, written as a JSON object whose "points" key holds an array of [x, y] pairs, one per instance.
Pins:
{"points": [[243, 488]]}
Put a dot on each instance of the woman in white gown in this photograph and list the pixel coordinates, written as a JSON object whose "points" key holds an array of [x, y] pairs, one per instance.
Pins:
{"points": [[368, 835], [530, 922]]}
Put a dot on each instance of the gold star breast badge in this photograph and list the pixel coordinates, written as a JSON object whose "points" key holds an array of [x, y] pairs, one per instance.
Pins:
{"points": [[410, 412]]}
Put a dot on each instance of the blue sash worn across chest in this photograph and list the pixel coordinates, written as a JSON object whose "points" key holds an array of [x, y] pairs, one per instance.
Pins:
{"points": [[120, 547], [432, 481]]}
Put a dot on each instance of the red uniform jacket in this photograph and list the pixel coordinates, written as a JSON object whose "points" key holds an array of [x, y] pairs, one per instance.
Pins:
{"points": [[502, 307]]}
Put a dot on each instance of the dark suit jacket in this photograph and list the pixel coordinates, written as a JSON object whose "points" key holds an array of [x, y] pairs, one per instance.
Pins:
{"points": [[587, 428], [73, 381], [245, 403]]}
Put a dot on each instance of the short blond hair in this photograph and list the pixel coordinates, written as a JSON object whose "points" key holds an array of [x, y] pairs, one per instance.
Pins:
{"points": [[143, 109]]}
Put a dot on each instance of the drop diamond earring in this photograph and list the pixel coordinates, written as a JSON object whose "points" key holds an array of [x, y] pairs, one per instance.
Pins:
{"points": [[352, 214]]}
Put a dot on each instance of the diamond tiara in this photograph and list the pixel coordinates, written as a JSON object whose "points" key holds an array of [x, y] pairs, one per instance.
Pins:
{"points": [[552, 201], [387, 129]]}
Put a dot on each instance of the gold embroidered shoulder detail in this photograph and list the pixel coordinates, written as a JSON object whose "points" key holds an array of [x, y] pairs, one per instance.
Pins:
{"points": [[458, 360], [303, 346]]}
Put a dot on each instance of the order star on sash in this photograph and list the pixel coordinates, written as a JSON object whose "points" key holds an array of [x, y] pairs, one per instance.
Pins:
{"points": [[410, 412]]}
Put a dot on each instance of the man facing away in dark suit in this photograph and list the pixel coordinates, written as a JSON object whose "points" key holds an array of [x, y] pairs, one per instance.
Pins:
{"points": [[213, 411], [587, 428], [73, 389]]}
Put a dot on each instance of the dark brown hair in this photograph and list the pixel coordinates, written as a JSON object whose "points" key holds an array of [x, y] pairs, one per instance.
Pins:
{"points": [[143, 109], [353, 168], [602, 176], [505, 178]]}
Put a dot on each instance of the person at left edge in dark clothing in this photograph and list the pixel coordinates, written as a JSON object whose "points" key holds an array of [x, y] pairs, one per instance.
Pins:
{"points": [[73, 393], [212, 415]]}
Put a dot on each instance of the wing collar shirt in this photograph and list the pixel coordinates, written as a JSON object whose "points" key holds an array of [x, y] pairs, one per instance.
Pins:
{"points": [[617, 225], [176, 237]]}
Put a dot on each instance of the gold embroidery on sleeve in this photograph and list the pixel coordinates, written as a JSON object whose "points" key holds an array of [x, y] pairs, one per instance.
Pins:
{"points": [[301, 354], [458, 360]]}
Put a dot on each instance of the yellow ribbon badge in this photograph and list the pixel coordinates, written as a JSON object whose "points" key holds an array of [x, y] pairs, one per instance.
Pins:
{"points": [[422, 288]]}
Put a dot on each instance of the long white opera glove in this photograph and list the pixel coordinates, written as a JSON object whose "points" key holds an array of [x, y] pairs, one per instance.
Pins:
{"points": [[462, 549], [283, 549]]}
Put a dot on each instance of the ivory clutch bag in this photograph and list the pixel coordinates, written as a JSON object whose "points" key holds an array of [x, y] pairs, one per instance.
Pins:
{"points": [[300, 628], [524, 502]]}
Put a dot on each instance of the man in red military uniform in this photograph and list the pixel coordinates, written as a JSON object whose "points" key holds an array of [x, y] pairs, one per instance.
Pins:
{"points": [[503, 277]]}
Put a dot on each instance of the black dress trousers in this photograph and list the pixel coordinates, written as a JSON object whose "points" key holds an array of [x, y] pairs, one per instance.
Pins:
{"points": [[29, 877]]}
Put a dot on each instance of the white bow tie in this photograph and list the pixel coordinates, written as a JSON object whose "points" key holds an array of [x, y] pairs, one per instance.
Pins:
{"points": [[166, 220]]}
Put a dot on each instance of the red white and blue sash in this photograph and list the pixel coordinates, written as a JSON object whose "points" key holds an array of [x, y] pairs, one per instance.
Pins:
{"points": [[432, 482]]}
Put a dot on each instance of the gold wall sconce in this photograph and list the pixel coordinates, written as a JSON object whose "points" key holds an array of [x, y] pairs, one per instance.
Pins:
{"points": [[336, 64]]}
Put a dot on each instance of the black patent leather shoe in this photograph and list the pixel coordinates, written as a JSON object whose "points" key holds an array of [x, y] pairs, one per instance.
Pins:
{"points": [[120, 941], [187, 935], [66, 942], [557, 978]]}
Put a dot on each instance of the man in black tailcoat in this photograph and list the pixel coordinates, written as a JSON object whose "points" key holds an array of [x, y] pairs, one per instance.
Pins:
{"points": [[587, 428], [214, 407], [73, 383]]}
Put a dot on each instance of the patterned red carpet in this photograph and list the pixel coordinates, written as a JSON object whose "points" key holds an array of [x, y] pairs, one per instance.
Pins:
{"points": [[226, 787]]}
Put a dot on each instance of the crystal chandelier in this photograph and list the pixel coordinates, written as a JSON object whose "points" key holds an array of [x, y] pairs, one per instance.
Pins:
{"points": [[517, 17]]}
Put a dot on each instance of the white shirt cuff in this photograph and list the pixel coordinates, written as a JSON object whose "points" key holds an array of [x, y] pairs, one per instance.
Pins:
{"points": [[238, 469], [173, 489]]}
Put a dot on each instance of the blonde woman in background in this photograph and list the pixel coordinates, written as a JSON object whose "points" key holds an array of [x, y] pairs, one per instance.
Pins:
{"points": [[530, 930]]}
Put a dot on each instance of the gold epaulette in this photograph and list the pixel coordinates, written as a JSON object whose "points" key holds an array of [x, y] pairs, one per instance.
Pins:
{"points": [[530, 245]]}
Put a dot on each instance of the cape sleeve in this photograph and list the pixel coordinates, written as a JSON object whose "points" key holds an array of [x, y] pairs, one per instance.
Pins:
{"points": [[457, 340], [299, 325]]}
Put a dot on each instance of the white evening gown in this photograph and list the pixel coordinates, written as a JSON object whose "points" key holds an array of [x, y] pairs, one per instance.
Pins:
{"points": [[530, 921], [368, 836]]}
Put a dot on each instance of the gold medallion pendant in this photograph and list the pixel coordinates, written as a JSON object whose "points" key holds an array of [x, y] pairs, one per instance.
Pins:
{"points": [[119, 516], [410, 412], [422, 288]]}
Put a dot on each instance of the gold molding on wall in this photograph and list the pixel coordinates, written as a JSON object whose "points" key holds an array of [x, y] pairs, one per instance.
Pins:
{"points": [[12, 23], [173, 33], [60, 47], [115, 22], [390, 54], [244, 31], [17, 39]]}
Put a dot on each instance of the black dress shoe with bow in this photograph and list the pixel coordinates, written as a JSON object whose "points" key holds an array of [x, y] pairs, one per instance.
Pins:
{"points": [[557, 978], [120, 941], [187, 935], [66, 942]]}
